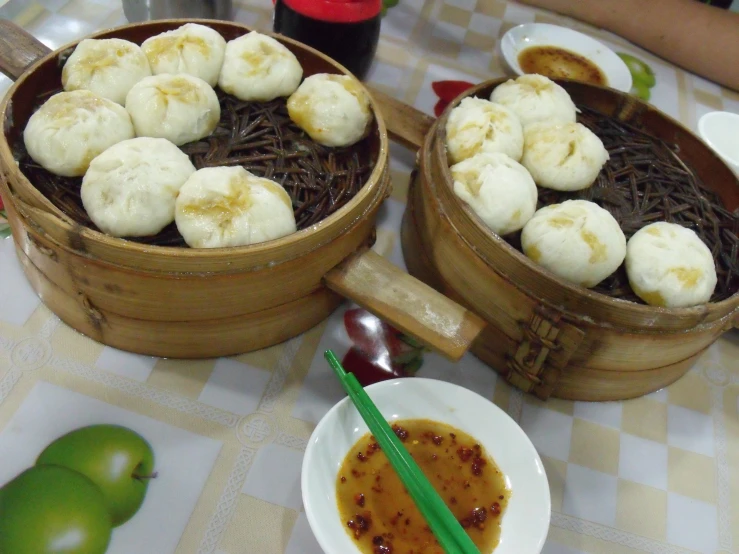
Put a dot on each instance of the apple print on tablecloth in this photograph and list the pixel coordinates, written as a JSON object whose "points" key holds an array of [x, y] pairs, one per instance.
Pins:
{"points": [[379, 351], [52, 509], [83, 485], [642, 76], [387, 4], [448, 91]]}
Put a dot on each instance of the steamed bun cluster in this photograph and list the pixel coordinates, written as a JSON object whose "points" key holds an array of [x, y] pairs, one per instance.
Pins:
{"points": [[126, 109], [532, 120]]}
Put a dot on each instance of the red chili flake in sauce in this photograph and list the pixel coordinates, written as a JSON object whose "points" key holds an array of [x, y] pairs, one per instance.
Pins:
{"points": [[343, 479], [501, 497], [395, 518], [453, 436], [434, 457], [355, 473], [382, 547], [495, 508], [401, 433], [359, 499], [477, 518], [437, 440], [361, 457], [464, 453], [453, 500], [377, 487], [477, 465], [360, 524]]}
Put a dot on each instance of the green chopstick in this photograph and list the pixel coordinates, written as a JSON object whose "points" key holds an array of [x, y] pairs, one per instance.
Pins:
{"points": [[451, 535]]}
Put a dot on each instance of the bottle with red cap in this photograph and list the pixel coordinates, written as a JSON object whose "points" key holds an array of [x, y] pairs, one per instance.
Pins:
{"points": [[345, 30]]}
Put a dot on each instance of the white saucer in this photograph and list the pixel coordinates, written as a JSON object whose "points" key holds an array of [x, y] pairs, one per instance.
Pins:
{"points": [[542, 34], [526, 519]]}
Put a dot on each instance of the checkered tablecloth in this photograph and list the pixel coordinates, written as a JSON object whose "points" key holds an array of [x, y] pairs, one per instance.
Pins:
{"points": [[659, 474]]}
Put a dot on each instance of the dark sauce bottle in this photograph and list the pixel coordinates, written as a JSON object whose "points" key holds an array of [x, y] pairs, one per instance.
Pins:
{"points": [[345, 30]]}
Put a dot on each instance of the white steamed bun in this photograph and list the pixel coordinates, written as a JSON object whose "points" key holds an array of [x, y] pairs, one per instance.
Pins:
{"points": [[535, 98], [193, 49], [108, 67], [71, 128], [576, 240], [563, 156], [333, 109], [228, 206], [477, 125], [668, 265], [180, 108], [130, 189], [498, 189], [257, 67]]}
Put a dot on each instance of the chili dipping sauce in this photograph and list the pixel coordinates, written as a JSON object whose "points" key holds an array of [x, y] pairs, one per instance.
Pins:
{"points": [[380, 515], [558, 63]]}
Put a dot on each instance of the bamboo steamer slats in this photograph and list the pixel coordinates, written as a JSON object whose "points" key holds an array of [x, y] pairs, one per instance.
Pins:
{"points": [[180, 302], [544, 335], [159, 295], [190, 339]]}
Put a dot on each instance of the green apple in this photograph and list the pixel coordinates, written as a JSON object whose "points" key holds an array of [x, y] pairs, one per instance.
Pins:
{"points": [[53, 510], [119, 461], [640, 72]]}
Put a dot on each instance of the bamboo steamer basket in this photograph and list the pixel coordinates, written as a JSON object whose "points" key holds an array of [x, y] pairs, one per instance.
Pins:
{"points": [[544, 335], [193, 303]]}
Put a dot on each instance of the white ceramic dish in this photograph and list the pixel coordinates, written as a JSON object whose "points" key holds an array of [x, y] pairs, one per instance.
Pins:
{"points": [[543, 34], [720, 130], [526, 520]]}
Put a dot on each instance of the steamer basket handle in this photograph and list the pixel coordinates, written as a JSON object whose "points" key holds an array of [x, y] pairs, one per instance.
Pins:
{"points": [[406, 303], [19, 50], [405, 124]]}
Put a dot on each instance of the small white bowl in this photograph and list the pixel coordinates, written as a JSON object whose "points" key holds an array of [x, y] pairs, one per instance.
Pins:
{"points": [[720, 130], [526, 519], [543, 34]]}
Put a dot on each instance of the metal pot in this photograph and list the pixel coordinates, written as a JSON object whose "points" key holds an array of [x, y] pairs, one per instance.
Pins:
{"points": [[148, 10]]}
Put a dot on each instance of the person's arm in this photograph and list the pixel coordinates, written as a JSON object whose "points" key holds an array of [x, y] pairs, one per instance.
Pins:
{"points": [[700, 38]]}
